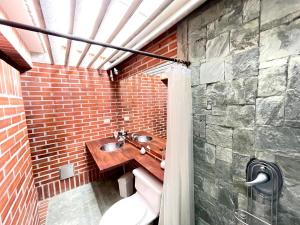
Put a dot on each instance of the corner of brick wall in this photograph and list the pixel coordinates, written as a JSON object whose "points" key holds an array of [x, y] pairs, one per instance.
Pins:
{"points": [[18, 197], [66, 107]]}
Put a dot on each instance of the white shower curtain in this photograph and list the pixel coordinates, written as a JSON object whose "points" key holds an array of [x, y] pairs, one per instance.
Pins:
{"points": [[178, 193]]}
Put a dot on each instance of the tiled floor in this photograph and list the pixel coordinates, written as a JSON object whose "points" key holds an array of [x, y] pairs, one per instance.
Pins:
{"points": [[84, 205]]}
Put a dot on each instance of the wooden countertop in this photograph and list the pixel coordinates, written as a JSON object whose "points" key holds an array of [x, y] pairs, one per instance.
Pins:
{"points": [[128, 152]]}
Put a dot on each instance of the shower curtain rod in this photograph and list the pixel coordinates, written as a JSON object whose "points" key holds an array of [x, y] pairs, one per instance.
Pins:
{"points": [[89, 41]]}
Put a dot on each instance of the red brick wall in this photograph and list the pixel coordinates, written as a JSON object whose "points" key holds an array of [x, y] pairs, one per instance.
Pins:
{"points": [[144, 97], [66, 106], [165, 45], [18, 197]]}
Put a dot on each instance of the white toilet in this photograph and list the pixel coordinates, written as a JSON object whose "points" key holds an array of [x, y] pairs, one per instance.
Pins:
{"points": [[140, 208]]}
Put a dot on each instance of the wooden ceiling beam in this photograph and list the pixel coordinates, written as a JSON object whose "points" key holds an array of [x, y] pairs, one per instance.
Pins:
{"points": [[145, 24], [71, 30], [43, 25], [98, 23], [132, 8]]}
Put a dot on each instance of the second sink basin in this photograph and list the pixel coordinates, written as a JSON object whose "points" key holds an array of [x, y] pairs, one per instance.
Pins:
{"points": [[110, 147], [142, 138]]}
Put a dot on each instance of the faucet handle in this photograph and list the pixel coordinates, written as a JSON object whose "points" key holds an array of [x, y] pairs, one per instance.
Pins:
{"points": [[260, 179], [115, 134]]}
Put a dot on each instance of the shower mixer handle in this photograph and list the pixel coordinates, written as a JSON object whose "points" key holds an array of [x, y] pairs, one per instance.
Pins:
{"points": [[260, 179]]}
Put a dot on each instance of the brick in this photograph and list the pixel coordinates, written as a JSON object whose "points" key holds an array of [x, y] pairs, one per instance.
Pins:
{"points": [[15, 187]]}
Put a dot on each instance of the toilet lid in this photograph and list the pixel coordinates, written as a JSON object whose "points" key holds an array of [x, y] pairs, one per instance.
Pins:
{"points": [[125, 212]]}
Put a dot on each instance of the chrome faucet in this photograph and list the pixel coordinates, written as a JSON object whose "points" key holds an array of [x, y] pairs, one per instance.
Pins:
{"points": [[120, 135], [260, 179]]}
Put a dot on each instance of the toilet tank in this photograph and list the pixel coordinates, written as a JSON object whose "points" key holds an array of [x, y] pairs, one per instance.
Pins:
{"points": [[148, 187]]}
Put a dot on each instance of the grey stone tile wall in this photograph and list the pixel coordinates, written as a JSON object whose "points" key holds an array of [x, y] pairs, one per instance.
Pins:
{"points": [[245, 57]]}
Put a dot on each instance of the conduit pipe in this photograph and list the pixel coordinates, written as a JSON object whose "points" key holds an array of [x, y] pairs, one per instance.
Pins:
{"points": [[89, 41]]}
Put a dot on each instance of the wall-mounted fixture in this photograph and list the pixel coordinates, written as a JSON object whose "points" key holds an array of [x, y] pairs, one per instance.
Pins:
{"points": [[265, 178], [66, 171], [106, 121], [263, 181], [113, 72]]}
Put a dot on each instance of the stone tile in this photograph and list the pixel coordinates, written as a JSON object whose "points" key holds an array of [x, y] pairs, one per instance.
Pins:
{"points": [[198, 145], [206, 211], [210, 153], [276, 63], [240, 91], [294, 74], [236, 117], [182, 45], [290, 200], [239, 183], [275, 9], [278, 139], [199, 123], [220, 136], [199, 100], [243, 141], [250, 10], [245, 37], [242, 202], [270, 111], [224, 154], [263, 154], [292, 108], [228, 22], [245, 64], [218, 110], [197, 45], [212, 71], [290, 167], [195, 75], [202, 168], [292, 102], [225, 215], [200, 221], [210, 188], [239, 164], [277, 43], [224, 171], [228, 68], [207, 170], [229, 6], [272, 80], [216, 93], [198, 184], [240, 116], [218, 47], [226, 196], [201, 18]]}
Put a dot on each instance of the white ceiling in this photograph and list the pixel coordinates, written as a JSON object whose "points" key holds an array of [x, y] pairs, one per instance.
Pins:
{"points": [[127, 23], [22, 11]]}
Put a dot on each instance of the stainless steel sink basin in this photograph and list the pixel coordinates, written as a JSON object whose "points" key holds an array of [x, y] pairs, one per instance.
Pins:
{"points": [[110, 147], [142, 138]]}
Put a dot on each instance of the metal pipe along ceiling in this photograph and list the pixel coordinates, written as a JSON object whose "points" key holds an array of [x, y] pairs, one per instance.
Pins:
{"points": [[89, 41]]}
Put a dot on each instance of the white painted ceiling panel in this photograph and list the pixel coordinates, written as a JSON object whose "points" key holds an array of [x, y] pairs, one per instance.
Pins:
{"points": [[144, 12], [115, 12], [126, 23], [22, 11], [57, 17], [86, 14]]}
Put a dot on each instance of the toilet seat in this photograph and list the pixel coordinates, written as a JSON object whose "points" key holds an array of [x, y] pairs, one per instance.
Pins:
{"points": [[129, 211]]}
